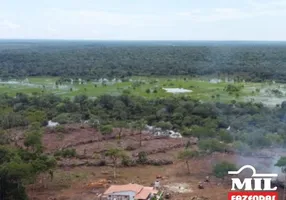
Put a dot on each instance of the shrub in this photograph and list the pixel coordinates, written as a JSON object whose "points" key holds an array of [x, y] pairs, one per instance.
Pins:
{"points": [[66, 153], [106, 129], [164, 125], [242, 148], [186, 132], [130, 148], [102, 163], [220, 170], [60, 129], [142, 157], [212, 145], [127, 161], [230, 88], [66, 118], [202, 132], [225, 136]]}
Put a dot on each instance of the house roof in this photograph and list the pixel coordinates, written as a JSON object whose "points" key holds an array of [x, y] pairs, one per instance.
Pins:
{"points": [[145, 192], [141, 191], [119, 188]]}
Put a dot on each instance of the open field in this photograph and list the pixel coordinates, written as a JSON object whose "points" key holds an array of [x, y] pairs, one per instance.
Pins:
{"points": [[205, 89], [80, 178]]}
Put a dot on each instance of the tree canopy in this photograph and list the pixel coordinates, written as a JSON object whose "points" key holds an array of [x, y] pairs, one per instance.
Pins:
{"points": [[124, 59], [221, 169], [282, 164], [19, 165]]}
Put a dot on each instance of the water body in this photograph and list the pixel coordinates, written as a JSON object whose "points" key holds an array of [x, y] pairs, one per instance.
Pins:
{"points": [[177, 90]]}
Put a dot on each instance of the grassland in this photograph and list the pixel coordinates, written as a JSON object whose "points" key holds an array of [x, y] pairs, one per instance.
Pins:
{"points": [[150, 87]]}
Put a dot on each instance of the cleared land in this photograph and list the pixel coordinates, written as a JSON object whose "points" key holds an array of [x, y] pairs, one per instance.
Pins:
{"points": [[81, 178], [205, 89]]}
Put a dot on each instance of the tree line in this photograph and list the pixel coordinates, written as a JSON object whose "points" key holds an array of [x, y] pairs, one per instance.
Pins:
{"points": [[104, 60], [244, 124]]}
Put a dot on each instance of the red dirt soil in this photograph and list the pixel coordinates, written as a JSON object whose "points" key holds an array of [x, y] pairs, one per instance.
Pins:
{"points": [[71, 183]]}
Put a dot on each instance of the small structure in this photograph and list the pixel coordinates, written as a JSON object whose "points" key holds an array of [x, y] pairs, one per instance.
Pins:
{"points": [[157, 184], [207, 179], [167, 196], [52, 124], [129, 192], [201, 186], [176, 90], [215, 80], [173, 134], [159, 132]]}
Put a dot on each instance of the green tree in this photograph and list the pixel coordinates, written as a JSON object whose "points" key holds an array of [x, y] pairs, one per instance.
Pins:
{"points": [[33, 138], [275, 139], [140, 125], [164, 125], [37, 116], [119, 110], [94, 123], [242, 148], [220, 170], [202, 132], [106, 129], [18, 166], [225, 136], [212, 145], [142, 157], [186, 155], [5, 137], [186, 132], [115, 154], [282, 164], [13, 172], [120, 125]]}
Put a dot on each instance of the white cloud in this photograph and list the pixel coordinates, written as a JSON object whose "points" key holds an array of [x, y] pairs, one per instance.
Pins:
{"points": [[9, 24], [108, 18], [241, 21], [212, 15], [267, 8], [252, 9], [190, 13], [260, 4]]}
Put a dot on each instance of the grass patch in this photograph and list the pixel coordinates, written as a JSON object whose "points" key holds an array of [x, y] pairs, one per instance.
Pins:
{"points": [[148, 87]]}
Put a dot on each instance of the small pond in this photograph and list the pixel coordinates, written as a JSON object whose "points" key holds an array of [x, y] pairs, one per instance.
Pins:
{"points": [[176, 90]]}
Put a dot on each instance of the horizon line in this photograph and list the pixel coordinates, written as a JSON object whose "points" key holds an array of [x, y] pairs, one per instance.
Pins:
{"points": [[140, 40]]}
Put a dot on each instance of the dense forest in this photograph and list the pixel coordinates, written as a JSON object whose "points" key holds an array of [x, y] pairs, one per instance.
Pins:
{"points": [[253, 62], [250, 124]]}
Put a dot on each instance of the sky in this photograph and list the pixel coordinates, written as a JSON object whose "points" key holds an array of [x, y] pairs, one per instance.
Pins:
{"points": [[143, 19]]}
